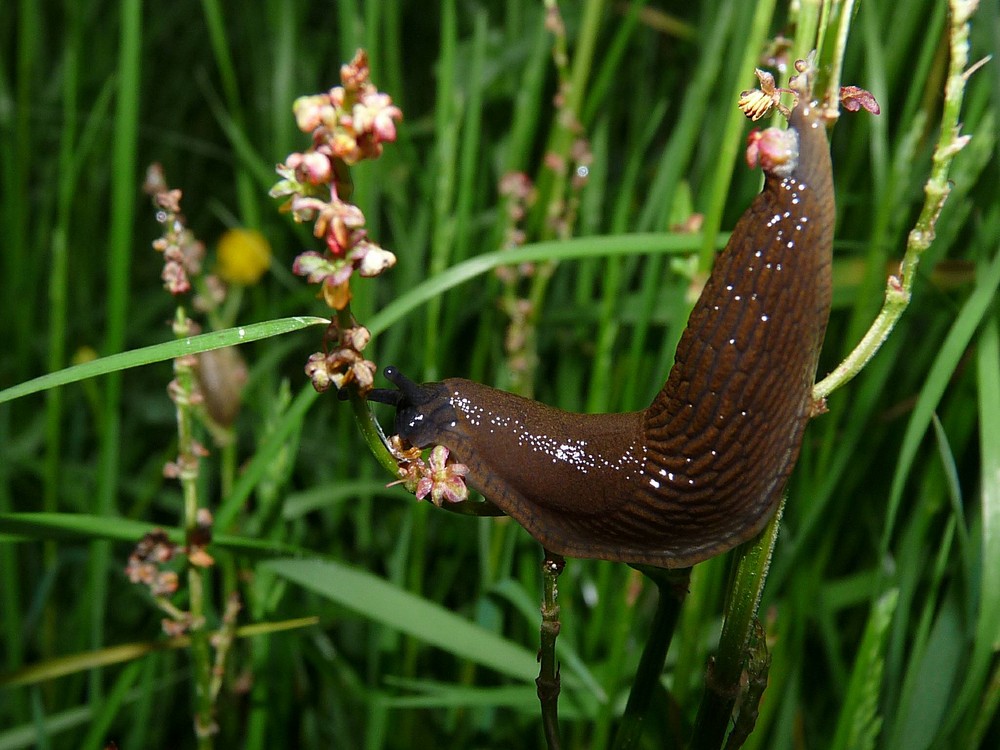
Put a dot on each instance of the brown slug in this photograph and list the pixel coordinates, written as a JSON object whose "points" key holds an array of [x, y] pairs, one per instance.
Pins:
{"points": [[702, 468]]}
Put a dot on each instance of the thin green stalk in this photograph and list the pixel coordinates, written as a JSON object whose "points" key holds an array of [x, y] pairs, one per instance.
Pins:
{"points": [[548, 684], [17, 174], [470, 149], [611, 628], [11, 584], [188, 464], [722, 683], [246, 189], [672, 587], [979, 687], [123, 194], [847, 13], [757, 668], [733, 124], [58, 304], [573, 77], [708, 582], [446, 132], [223, 642], [899, 288], [554, 216]]}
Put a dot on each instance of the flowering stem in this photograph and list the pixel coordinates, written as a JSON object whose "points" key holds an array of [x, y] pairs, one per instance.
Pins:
{"points": [[188, 462], [898, 289]]}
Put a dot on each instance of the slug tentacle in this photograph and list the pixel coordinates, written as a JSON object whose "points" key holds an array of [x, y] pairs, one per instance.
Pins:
{"points": [[703, 467]]}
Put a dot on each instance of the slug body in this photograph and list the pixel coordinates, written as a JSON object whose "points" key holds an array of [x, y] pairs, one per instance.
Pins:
{"points": [[702, 468]]}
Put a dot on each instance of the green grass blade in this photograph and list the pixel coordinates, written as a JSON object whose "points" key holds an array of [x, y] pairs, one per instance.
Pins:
{"points": [[382, 602], [859, 722], [83, 527], [583, 247], [62, 666], [987, 632], [160, 352], [937, 380]]}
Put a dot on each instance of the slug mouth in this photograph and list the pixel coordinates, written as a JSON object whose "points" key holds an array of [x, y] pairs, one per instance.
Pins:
{"points": [[421, 410]]}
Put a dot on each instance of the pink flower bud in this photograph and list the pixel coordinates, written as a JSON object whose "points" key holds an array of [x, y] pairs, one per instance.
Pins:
{"points": [[315, 168], [373, 259]]}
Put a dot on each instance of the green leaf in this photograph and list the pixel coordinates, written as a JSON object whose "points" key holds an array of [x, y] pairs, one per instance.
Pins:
{"points": [[160, 352], [29, 526], [920, 720], [382, 602], [948, 358], [859, 722]]}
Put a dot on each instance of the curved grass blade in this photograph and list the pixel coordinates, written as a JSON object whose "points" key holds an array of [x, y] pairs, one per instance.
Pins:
{"points": [[378, 600], [160, 352], [62, 666], [85, 526]]}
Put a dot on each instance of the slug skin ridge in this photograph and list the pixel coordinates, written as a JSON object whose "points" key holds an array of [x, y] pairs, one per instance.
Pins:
{"points": [[703, 468]]}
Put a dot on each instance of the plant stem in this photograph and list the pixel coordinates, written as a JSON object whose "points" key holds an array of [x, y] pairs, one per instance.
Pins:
{"points": [[547, 683], [898, 289], [758, 665], [672, 587], [188, 462], [722, 681]]}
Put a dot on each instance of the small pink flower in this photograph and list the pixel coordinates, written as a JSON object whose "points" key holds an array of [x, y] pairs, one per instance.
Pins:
{"points": [[371, 260], [363, 373], [354, 75], [307, 207], [169, 200], [322, 270], [356, 337], [175, 278], [314, 168], [345, 146], [444, 481], [755, 103], [854, 98], [344, 365], [310, 111], [348, 123], [318, 372], [164, 583], [376, 114]]}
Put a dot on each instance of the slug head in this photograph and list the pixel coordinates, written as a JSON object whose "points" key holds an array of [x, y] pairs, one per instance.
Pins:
{"points": [[423, 412]]}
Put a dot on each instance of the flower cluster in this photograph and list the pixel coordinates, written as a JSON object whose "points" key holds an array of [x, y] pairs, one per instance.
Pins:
{"points": [[348, 124], [243, 256], [152, 551], [345, 364], [519, 194], [755, 103], [182, 252], [439, 477]]}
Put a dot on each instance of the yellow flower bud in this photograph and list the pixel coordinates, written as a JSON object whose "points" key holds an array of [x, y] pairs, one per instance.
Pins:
{"points": [[243, 256]]}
